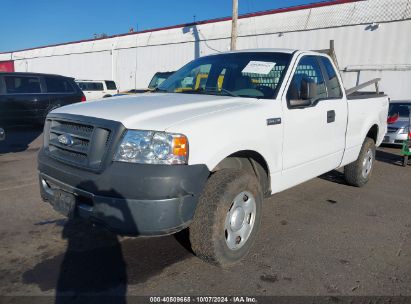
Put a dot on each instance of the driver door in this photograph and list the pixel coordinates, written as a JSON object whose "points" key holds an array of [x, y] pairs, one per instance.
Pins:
{"points": [[314, 124]]}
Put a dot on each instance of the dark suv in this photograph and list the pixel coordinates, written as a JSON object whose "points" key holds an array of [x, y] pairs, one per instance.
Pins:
{"points": [[27, 98]]}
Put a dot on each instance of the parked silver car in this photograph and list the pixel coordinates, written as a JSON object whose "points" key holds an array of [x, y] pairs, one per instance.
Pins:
{"points": [[398, 122]]}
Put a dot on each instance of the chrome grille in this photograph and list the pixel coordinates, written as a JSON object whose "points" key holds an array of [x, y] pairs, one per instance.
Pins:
{"points": [[87, 145]]}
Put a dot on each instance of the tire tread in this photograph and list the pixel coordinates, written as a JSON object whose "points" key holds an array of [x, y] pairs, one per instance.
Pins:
{"points": [[352, 172], [203, 229]]}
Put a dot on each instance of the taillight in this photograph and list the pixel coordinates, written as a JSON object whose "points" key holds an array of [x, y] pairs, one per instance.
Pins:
{"points": [[83, 98], [393, 119]]}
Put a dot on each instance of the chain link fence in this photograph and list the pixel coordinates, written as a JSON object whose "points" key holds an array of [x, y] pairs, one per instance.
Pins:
{"points": [[354, 13]]}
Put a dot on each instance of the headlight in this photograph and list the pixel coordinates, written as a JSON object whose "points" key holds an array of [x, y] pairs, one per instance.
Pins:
{"points": [[405, 130], [149, 147]]}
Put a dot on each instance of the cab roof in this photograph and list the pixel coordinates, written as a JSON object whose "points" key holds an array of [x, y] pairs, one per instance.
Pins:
{"points": [[265, 50]]}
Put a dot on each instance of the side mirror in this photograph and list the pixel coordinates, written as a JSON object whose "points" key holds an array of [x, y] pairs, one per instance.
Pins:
{"points": [[308, 92], [308, 89], [2, 134]]}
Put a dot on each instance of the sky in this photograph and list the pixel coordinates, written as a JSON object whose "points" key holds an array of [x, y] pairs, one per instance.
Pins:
{"points": [[32, 23]]}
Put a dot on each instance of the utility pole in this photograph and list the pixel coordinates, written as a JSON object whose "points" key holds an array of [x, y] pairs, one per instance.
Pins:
{"points": [[234, 26]]}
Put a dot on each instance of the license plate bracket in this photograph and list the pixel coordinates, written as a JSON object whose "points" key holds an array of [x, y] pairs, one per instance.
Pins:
{"points": [[64, 203]]}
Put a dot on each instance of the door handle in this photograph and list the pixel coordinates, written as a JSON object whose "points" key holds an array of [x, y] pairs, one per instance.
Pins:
{"points": [[330, 116]]}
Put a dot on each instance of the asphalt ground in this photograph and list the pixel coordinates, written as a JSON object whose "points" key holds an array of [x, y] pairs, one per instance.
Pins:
{"points": [[321, 238]]}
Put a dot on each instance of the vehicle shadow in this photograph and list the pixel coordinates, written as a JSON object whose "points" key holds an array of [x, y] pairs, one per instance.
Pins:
{"points": [[381, 155], [334, 176], [21, 138], [388, 157], [93, 266], [97, 265]]}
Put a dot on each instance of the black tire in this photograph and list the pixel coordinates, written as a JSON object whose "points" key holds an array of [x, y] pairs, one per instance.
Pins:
{"points": [[405, 161], [354, 172], [208, 231]]}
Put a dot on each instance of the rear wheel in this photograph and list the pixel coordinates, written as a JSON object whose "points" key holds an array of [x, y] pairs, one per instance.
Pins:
{"points": [[359, 172], [227, 218]]}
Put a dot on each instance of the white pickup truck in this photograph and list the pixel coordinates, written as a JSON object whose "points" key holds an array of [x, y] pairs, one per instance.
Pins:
{"points": [[202, 152]]}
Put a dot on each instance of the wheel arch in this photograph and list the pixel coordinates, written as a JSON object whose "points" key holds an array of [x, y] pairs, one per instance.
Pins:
{"points": [[373, 133], [251, 161]]}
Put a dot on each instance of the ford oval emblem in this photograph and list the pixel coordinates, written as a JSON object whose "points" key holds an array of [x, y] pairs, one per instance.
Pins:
{"points": [[66, 139]]}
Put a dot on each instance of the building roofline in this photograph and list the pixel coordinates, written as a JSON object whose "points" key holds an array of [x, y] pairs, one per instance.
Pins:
{"points": [[182, 25], [32, 74], [260, 50]]}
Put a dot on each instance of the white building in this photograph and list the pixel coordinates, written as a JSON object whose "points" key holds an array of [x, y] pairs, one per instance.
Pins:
{"points": [[372, 39]]}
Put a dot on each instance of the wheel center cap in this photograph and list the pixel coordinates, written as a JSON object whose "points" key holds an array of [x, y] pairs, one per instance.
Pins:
{"points": [[237, 219]]}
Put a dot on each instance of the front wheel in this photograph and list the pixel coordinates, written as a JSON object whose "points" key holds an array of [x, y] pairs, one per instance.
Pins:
{"points": [[359, 172], [227, 218]]}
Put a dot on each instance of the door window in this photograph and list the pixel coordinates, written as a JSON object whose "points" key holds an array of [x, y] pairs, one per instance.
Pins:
{"points": [[58, 85], [308, 81], [22, 85], [91, 86], [334, 88], [111, 85]]}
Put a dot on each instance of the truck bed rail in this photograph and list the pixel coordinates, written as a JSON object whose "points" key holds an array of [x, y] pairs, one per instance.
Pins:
{"points": [[364, 85]]}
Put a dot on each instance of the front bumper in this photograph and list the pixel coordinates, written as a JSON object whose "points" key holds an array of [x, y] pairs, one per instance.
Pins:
{"points": [[394, 138], [129, 199]]}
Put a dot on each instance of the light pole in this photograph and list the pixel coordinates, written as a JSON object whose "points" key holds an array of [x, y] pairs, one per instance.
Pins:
{"points": [[234, 26]]}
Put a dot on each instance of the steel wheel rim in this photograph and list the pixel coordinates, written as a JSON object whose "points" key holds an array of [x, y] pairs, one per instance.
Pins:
{"points": [[367, 163], [240, 220]]}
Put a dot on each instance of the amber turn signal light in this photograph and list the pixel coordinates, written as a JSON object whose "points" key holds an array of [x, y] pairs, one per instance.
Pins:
{"points": [[180, 146]]}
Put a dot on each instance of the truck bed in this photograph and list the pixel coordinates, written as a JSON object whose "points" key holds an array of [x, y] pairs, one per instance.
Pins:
{"points": [[365, 109], [363, 95]]}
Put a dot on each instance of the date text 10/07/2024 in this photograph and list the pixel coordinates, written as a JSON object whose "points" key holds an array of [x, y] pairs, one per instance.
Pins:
{"points": [[205, 299]]}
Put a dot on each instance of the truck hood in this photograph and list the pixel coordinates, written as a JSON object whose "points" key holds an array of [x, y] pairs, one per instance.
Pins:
{"points": [[154, 111]]}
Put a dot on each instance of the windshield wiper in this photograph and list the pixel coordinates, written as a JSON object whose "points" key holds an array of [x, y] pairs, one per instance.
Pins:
{"points": [[195, 91], [216, 90], [209, 90]]}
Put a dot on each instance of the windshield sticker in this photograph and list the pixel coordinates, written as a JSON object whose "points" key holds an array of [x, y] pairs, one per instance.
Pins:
{"points": [[259, 67]]}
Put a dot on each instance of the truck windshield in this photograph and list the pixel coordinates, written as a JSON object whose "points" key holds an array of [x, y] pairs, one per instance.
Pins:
{"points": [[248, 74], [158, 79]]}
